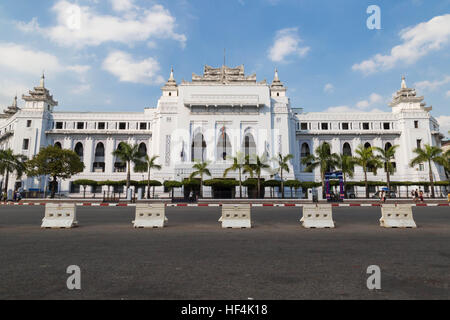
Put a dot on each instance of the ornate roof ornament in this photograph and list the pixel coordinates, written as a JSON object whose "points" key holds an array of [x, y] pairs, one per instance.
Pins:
{"points": [[224, 75], [408, 95], [171, 84], [40, 93], [12, 109]]}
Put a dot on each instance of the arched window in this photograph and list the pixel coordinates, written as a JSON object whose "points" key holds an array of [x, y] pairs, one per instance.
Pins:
{"points": [[387, 146], [223, 146], [305, 150], [198, 150], [119, 166], [347, 150], [249, 145], [99, 160], [367, 145], [79, 150], [58, 145], [143, 149]]}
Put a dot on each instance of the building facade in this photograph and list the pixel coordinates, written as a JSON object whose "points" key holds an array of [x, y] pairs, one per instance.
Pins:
{"points": [[210, 118]]}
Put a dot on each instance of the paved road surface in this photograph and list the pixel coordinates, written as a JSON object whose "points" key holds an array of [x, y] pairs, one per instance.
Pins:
{"points": [[193, 258]]}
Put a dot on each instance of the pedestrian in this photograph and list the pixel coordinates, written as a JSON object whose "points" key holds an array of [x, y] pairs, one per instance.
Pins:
{"points": [[416, 195], [421, 195], [382, 196]]}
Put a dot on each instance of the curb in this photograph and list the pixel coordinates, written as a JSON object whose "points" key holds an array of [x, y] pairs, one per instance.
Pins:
{"points": [[89, 204]]}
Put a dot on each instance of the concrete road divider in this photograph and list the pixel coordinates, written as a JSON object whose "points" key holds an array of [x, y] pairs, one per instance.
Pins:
{"points": [[317, 216], [236, 216], [151, 215], [60, 215], [397, 216]]}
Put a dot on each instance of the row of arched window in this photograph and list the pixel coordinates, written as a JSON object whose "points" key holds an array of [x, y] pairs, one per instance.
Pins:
{"points": [[99, 156], [346, 148]]}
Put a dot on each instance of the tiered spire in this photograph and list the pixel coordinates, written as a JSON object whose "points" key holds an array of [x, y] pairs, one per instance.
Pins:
{"points": [[40, 93], [171, 82], [12, 109], [42, 82], [408, 95]]}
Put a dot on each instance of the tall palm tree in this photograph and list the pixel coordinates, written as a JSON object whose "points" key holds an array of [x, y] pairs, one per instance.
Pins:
{"points": [[255, 167], [129, 154], [445, 162], [368, 161], [322, 159], [386, 156], [149, 164], [10, 163], [346, 164], [238, 165], [429, 154], [283, 165], [201, 168]]}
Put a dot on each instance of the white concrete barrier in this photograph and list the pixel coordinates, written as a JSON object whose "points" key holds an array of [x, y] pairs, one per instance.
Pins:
{"points": [[151, 215], [397, 216], [317, 216], [236, 216], [60, 215]]}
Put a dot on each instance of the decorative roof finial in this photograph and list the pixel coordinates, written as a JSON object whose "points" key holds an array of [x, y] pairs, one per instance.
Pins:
{"points": [[171, 74], [15, 101], [404, 83], [275, 79], [42, 83]]}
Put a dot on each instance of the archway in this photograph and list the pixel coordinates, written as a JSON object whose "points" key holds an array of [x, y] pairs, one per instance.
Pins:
{"points": [[198, 149], [119, 166], [79, 150], [249, 145], [99, 158], [58, 145], [367, 145], [347, 149], [223, 146]]}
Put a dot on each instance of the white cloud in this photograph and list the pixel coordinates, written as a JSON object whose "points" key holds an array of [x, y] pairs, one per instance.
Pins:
{"points": [[122, 5], [78, 26], [432, 85], [417, 42], [122, 65], [347, 109], [374, 98], [8, 89], [328, 88], [444, 124], [19, 58], [287, 43]]}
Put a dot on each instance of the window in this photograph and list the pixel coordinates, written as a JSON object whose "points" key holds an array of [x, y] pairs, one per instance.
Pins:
{"points": [[416, 124], [122, 125], [101, 126], [304, 126], [345, 126], [386, 126], [421, 167], [419, 143], [80, 125], [59, 125], [365, 126], [143, 126], [26, 143], [324, 126], [28, 123]]}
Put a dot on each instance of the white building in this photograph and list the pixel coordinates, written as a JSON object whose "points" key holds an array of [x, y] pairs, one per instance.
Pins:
{"points": [[211, 118]]}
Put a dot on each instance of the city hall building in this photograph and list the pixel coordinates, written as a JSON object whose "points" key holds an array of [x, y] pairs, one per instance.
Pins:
{"points": [[210, 118]]}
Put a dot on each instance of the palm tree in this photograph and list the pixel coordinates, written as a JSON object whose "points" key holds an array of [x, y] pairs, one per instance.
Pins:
{"points": [[429, 154], [128, 154], [323, 159], [368, 161], [283, 165], [10, 163], [148, 165], [238, 164], [346, 164], [445, 162], [201, 170], [386, 156], [255, 167]]}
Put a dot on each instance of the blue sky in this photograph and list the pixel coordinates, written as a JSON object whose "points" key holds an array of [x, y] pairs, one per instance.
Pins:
{"points": [[113, 55]]}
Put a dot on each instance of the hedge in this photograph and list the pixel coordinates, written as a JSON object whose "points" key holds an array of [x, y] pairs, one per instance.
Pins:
{"points": [[272, 183], [221, 183], [172, 184]]}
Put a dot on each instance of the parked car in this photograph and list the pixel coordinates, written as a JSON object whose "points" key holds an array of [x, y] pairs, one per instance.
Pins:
{"points": [[389, 194]]}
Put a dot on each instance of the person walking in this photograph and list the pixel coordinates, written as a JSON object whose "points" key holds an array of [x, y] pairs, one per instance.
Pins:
{"points": [[421, 195], [416, 195]]}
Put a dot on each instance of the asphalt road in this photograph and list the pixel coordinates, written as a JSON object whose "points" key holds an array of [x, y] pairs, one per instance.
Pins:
{"points": [[193, 258]]}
